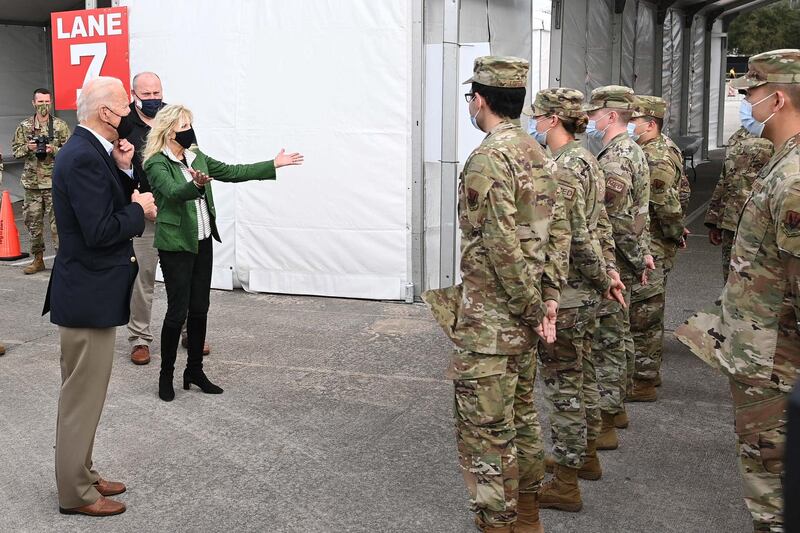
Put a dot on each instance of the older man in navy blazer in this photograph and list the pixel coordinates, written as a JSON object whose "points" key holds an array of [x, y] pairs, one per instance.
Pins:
{"points": [[98, 212]]}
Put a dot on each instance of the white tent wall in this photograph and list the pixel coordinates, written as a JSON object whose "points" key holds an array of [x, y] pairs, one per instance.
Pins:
{"points": [[499, 27], [340, 224], [716, 85], [644, 60]]}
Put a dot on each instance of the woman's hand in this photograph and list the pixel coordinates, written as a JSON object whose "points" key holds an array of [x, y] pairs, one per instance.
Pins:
{"points": [[283, 159], [199, 178]]}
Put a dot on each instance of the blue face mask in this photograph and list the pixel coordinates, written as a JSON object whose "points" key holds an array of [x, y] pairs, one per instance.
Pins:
{"points": [[748, 121], [539, 137], [149, 107], [592, 131], [632, 132]]}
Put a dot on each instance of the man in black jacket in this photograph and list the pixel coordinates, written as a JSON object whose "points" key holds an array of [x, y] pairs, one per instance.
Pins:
{"points": [[98, 212]]}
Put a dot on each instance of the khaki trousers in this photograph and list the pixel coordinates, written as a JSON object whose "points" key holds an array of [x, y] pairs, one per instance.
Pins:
{"points": [[142, 294], [86, 358]]}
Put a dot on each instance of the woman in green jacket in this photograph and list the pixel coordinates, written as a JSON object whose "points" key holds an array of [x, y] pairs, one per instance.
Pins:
{"points": [[180, 179]]}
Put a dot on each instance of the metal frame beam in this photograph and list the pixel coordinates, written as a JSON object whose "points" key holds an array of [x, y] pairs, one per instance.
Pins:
{"points": [[449, 161], [417, 259]]}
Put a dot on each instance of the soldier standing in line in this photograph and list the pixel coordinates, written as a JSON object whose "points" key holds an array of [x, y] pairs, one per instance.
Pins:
{"points": [[752, 334], [37, 140], [495, 317], [745, 156], [627, 202], [568, 369], [666, 236]]}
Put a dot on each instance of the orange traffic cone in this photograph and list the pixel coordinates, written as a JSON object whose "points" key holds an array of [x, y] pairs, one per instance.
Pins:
{"points": [[9, 236]]}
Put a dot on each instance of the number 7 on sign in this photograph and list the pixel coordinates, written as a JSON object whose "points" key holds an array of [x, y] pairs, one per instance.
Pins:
{"points": [[97, 51]]}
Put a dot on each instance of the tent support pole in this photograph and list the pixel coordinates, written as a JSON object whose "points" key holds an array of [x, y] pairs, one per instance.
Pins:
{"points": [[449, 162], [417, 156]]}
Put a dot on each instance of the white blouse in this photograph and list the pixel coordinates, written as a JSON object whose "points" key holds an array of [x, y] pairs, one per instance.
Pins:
{"points": [[200, 204]]}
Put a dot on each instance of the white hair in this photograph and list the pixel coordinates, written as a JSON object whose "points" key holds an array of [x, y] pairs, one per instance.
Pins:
{"points": [[94, 93]]}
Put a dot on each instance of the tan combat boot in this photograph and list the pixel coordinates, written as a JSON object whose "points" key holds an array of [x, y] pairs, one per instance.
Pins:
{"points": [[528, 514], [591, 468], [562, 491], [483, 526], [621, 419], [608, 439], [36, 266], [643, 391]]}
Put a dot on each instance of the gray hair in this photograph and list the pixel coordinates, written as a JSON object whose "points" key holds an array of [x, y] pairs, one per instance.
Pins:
{"points": [[94, 93]]}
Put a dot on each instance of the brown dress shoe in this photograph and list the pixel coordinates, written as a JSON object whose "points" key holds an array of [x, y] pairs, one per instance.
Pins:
{"points": [[102, 507], [2, 349], [140, 355], [109, 488], [185, 344]]}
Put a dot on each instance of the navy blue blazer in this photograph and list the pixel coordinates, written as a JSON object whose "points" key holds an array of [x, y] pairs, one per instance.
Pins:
{"points": [[94, 270]]}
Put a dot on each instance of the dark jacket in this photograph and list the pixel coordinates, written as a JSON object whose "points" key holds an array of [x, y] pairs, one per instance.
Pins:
{"points": [[94, 270], [176, 224], [138, 138]]}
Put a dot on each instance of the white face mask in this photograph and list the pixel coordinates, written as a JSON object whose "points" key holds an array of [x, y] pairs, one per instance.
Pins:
{"points": [[748, 120]]}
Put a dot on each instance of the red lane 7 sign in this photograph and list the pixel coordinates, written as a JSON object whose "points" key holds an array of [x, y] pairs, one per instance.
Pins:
{"points": [[88, 44]]}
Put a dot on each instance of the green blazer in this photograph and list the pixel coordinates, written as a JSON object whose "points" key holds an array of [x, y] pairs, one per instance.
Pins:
{"points": [[176, 223]]}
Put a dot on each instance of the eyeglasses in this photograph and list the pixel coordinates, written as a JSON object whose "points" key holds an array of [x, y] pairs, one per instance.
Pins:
{"points": [[469, 97]]}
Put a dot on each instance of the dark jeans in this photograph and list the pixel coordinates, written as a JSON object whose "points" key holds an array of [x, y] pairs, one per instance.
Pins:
{"points": [[187, 279]]}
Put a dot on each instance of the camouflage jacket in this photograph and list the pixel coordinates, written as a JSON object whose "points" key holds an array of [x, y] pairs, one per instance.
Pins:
{"points": [[37, 173], [753, 332], [684, 187], [745, 156], [666, 214], [583, 189], [507, 198], [627, 201]]}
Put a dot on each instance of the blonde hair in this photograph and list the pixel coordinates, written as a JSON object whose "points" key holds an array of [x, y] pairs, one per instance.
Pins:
{"points": [[165, 121]]}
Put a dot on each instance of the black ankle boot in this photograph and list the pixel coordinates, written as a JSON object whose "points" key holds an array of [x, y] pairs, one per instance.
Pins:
{"points": [[198, 377], [169, 350], [165, 390]]}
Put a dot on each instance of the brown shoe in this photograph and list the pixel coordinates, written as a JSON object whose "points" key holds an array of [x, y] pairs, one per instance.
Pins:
{"points": [[102, 507], [561, 491], [185, 344], [140, 355], [621, 419], [643, 391], [2, 349], [591, 468], [498, 529], [109, 488], [36, 266], [607, 440], [528, 514]]}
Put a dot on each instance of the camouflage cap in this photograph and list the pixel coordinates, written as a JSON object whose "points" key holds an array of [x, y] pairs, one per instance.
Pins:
{"points": [[610, 96], [560, 101], [649, 106], [777, 66], [500, 71]]}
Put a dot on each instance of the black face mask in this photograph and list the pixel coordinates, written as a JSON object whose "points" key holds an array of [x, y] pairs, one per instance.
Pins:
{"points": [[186, 138], [125, 126]]}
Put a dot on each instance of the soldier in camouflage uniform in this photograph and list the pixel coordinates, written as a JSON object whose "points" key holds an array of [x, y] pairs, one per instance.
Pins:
{"points": [[507, 200], [752, 333], [745, 156], [627, 200], [36, 176], [666, 236], [568, 369]]}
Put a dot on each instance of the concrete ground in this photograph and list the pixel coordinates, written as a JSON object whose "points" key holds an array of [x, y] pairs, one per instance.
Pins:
{"points": [[336, 417]]}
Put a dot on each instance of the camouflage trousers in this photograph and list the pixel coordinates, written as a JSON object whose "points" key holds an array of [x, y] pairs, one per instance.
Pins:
{"points": [[38, 205], [570, 385], [612, 340], [497, 430], [727, 246], [647, 322], [761, 444]]}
